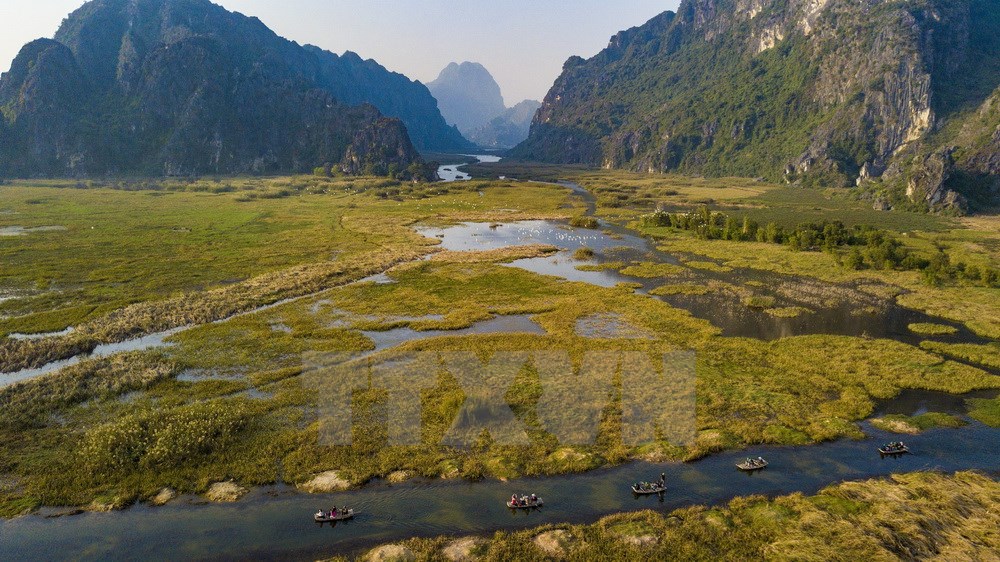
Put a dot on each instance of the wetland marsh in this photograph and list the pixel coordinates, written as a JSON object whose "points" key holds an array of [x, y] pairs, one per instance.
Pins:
{"points": [[785, 357]]}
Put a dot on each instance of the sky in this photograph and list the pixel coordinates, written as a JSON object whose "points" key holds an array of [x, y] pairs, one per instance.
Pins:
{"points": [[523, 43]]}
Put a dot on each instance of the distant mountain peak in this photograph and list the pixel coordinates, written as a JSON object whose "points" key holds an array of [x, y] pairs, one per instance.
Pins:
{"points": [[468, 95]]}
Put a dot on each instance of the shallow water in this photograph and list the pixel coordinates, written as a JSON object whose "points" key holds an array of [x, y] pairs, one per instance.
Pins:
{"points": [[276, 522], [31, 337], [453, 172], [150, 341], [22, 230], [144, 343], [833, 309], [499, 325]]}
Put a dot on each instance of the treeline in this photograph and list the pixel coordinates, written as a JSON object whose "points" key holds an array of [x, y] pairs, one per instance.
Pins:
{"points": [[419, 171], [858, 247]]}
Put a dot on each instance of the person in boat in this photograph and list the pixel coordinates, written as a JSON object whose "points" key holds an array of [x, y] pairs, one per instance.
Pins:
{"points": [[513, 499], [663, 478], [534, 498]]}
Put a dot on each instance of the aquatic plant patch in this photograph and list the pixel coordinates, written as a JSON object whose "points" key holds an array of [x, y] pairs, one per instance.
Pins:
{"points": [[929, 329]]}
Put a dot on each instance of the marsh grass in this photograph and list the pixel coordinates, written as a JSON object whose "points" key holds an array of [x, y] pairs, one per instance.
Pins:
{"points": [[502, 255], [606, 266], [985, 354], [792, 391], [206, 257], [986, 411], [29, 403], [584, 222], [681, 289], [909, 516], [929, 329], [787, 312], [652, 270], [976, 307], [810, 388], [707, 266], [913, 425], [758, 301]]}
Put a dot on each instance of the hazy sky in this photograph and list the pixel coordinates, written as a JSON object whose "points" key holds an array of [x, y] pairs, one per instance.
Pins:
{"points": [[522, 42]]}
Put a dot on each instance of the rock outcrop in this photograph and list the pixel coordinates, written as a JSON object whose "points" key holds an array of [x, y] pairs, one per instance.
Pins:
{"points": [[325, 483], [163, 497], [928, 178], [555, 543], [391, 553], [383, 148], [463, 550], [225, 492]]}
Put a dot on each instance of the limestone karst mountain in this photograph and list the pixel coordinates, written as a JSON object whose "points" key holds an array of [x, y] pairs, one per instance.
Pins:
{"points": [[187, 87], [470, 98], [900, 97]]}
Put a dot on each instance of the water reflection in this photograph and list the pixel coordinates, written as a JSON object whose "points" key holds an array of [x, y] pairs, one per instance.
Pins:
{"points": [[825, 308]]}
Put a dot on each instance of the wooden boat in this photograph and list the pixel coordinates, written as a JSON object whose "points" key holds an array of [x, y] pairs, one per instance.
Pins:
{"points": [[753, 465], [892, 451], [526, 505], [653, 489], [326, 517]]}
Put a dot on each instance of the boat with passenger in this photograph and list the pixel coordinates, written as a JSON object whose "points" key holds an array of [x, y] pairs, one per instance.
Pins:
{"points": [[650, 488], [752, 465], [893, 449], [334, 515], [524, 502]]}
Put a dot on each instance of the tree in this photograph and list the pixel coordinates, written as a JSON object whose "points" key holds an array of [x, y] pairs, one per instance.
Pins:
{"points": [[855, 260]]}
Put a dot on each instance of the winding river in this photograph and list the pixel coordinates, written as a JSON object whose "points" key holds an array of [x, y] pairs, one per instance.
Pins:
{"points": [[275, 522]]}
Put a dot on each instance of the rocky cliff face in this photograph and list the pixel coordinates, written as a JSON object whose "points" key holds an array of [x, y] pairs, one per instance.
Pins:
{"points": [[384, 148], [185, 87], [353, 80], [810, 91]]}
